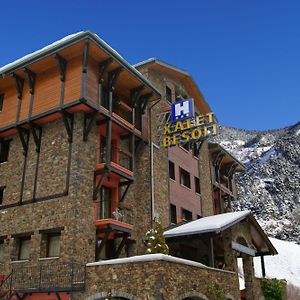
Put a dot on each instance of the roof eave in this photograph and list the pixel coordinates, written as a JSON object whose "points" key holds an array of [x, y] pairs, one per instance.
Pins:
{"points": [[77, 38]]}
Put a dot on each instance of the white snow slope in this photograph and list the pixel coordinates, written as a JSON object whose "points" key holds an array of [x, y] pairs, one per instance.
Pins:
{"points": [[285, 265]]}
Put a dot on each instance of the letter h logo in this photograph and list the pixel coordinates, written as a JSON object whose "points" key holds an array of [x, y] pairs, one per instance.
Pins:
{"points": [[182, 110]]}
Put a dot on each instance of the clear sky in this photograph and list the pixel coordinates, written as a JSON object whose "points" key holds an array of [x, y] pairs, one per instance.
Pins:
{"points": [[243, 54]]}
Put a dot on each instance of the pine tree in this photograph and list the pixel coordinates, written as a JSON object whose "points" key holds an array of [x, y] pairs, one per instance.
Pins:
{"points": [[156, 242]]}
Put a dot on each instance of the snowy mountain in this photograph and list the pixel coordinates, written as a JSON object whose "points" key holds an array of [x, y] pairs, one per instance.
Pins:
{"points": [[271, 186], [285, 265]]}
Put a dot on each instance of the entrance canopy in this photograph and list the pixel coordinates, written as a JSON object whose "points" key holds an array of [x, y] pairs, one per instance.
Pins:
{"points": [[215, 225]]}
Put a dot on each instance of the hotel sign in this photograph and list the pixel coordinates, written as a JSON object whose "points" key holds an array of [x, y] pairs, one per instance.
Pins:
{"points": [[185, 126]]}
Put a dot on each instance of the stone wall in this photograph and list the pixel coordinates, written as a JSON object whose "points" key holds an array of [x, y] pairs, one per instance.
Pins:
{"points": [[158, 280], [73, 212], [206, 181]]}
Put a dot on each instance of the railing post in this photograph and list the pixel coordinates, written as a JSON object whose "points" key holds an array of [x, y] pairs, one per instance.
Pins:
{"points": [[11, 283], [72, 274]]}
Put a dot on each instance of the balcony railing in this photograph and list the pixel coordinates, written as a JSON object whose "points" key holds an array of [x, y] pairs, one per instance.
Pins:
{"points": [[118, 156], [50, 277]]}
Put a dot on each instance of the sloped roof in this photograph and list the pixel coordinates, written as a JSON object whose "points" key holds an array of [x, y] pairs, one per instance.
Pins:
{"points": [[68, 41], [182, 75], [214, 224], [215, 147]]}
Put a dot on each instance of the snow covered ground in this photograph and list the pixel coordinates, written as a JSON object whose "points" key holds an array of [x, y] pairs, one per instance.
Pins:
{"points": [[285, 265]]}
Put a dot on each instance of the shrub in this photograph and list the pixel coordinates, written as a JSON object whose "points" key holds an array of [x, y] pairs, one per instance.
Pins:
{"points": [[273, 289]]}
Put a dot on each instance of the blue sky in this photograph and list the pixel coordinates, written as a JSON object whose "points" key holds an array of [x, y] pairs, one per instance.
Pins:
{"points": [[243, 54]]}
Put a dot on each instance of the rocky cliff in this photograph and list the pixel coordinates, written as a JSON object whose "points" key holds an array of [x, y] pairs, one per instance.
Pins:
{"points": [[271, 186]]}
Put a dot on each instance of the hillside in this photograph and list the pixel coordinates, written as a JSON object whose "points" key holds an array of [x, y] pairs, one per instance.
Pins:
{"points": [[271, 186], [285, 265]]}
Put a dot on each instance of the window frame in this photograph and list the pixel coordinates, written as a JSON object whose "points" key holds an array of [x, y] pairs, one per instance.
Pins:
{"points": [[173, 210], [2, 188], [4, 150], [172, 165], [188, 212], [182, 173], [169, 97], [49, 237], [21, 241], [197, 185]]}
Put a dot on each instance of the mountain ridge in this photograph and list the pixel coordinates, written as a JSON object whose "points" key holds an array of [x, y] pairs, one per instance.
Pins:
{"points": [[270, 187]]}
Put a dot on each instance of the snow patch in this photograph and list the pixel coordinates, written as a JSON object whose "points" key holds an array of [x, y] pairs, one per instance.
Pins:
{"points": [[153, 257], [29, 56], [285, 265]]}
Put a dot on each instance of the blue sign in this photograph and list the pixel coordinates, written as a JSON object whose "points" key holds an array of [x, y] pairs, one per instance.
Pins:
{"points": [[183, 110]]}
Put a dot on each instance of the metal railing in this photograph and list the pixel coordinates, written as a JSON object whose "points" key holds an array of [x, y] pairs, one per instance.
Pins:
{"points": [[118, 156], [49, 277], [5, 288]]}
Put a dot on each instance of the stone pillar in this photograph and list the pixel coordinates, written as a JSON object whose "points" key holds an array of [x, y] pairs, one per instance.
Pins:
{"points": [[249, 276], [229, 254], [205, 181]]}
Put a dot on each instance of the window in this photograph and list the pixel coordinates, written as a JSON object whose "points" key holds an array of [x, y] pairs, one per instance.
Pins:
{"points": [[1, 194], [186, 146], [171, 170], [195, 150], [1, 102], [4, 149], [53, 244], [185, 178], [197, 185], [104, 205], [173, 215], [168, 94], [24, 248], [1, 249], [186, 215]]}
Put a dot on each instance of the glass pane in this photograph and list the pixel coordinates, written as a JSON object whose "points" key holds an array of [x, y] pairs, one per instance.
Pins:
{"points": [[24, 249], [54, 246], [104, 203]]}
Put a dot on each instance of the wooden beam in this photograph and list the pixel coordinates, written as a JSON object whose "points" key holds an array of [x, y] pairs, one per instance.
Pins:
{"points": [[89, 120], [68, 121], [99, 184], [263, 269], [121, 246], [84, 69]]}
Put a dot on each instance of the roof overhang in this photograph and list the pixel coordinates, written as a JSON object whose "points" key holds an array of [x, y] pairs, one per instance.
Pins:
{"points": [[183, 76], [76, 39], [216, 224], [216, 148]]}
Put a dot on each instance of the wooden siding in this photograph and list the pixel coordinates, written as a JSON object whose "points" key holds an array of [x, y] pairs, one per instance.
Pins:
{"points": [[47, 91], [73, 80], [10, 104], [92, 80], [25, 102]]}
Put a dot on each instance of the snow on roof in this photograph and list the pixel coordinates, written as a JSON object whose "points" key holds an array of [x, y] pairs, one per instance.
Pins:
{"points": [[69, 39], [40, 51], [216, 223], [152, 257]]}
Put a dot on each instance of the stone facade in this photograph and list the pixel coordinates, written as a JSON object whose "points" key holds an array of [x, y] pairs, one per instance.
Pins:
{"points": [[77, 238], [159, 280]]}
